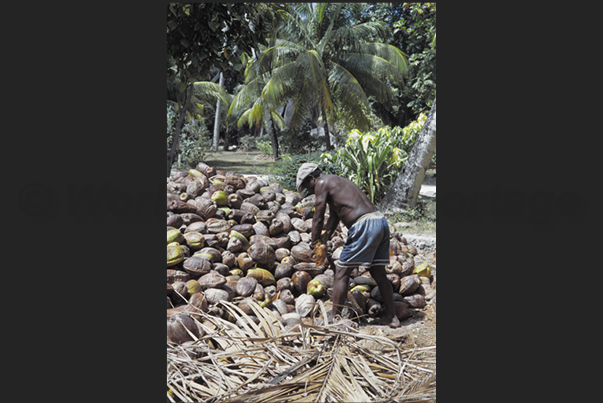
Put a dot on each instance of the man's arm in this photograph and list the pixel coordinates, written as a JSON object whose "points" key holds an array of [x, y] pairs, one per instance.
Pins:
{"points": [[320, 206], [331, 225]]}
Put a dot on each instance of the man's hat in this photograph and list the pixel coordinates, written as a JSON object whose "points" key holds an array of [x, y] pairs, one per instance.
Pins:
{"points": [[303, 172]]}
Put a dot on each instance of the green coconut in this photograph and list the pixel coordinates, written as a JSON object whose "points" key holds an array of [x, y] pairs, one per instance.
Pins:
{"points": [[194, 240], [174, 235], [220, 198], [175, 254]]}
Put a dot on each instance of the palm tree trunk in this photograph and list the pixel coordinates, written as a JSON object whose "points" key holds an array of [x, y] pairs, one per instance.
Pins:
{"points": [[271, 132], [182, 106], [217, 119], [405, 190], [325, 126]]}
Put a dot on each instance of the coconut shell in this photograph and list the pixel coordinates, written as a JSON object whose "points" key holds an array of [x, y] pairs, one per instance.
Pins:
{"points": [[249, 207], [174, 235], [282, 241], [294, 236], [206, 208], [175, 254], [177, 275], [215, 256], [328, 280], [263, 254], [316, 288], [310, 268], [175, 221], [304, 305], [194, 240], [276, 227], [197, 266], [199, 301], [181, 328], [280, 253], [264, 277], [178, 206], [287, 296], [229, 259], [180, 292], [246, 286], [416, 301], [215, 295], [409, 284], [285, 220], [283, 270], [215, 225], [244, 261], [373, 308], [302, 252], [299, 225], [402, 309], [300, 281], [197, 226], [284, 283], [211, 280]]}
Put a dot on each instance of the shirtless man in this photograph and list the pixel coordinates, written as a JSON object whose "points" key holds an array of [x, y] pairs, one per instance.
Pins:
{"points": [[368, 234]]}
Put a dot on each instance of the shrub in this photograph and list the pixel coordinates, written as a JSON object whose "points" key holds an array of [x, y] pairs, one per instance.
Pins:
{"points": [[373, 160]]}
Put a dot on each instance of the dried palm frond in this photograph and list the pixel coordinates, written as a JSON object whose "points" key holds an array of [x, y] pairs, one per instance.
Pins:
{"points": [[307, 363]]}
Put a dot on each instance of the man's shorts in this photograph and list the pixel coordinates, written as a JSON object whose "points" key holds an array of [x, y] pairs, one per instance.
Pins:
{"points": [[367, 243]]}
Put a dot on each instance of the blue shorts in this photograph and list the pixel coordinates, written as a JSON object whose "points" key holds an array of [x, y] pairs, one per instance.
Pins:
{"points": [[367, 243]]}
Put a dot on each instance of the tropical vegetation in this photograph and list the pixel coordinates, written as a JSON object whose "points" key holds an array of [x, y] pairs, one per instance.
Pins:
{"points": [[346, 84]]}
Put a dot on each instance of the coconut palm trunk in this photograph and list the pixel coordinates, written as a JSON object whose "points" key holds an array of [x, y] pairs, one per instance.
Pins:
{"points": [[217, 119], [182, 106], [405, 191]]}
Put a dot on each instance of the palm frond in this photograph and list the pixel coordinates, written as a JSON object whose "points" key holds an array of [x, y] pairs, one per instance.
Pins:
{"points": [[212, 89], [392, 54], [267, 362]]}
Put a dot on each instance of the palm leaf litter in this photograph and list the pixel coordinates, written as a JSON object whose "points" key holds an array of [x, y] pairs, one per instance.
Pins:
{"points": [[266, 361]]}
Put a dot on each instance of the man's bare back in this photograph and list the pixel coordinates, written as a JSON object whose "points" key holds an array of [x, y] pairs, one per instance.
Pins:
{"points": [[343, 197]]}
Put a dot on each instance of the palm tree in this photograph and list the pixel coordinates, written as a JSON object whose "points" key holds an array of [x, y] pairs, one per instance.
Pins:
{"points": [[325, 66]]}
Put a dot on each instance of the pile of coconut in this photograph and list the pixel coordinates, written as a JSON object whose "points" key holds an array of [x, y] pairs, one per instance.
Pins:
{"points": [[241, 239]]}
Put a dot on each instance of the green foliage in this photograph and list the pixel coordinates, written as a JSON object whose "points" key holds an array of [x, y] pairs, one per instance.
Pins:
{"points": [[370, 160], [373, 160], [265, 147], [194, 141], [286, 169], [301, 142]]}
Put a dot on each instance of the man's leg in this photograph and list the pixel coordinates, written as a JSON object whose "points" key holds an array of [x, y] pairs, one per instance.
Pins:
{"points": [[340, 288], [389, 315]]}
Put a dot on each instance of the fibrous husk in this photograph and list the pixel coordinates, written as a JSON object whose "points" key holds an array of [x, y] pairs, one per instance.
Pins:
{"points": [[174, 235], [196, 266], [246, 286], [181, 328], [215, 225], [206, 208], [263, 254], [215, 295], [409, 284], [283, 270], [300, 281], [212, 279], [304, 304], [302, 252], [316, 288], [194, 240], [175, 221], [175, 254], [263, 276]]}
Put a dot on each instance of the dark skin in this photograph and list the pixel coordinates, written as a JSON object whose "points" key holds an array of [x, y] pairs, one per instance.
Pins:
{"points": [[346, 203]]}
